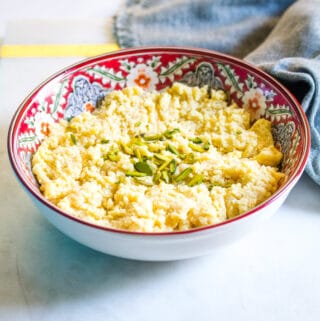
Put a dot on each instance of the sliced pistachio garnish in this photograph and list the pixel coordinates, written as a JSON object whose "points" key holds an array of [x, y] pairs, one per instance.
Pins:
{"points": [[138, 141], [154, 148], [137, 124], [161, 157], [126, 149], [183, 175], [196, 148], [135, 174], [165, 164], [157, 162], [190, 158], [73, 139], [143, 167], [196, 180], [206, 146], [153, 137], [169, 133], [165, 176], [144, 153], [112, 156], [173, 166], [151, 166], [172, 149], [137, 153], [143, 181], [197, 140], [156, 177]]}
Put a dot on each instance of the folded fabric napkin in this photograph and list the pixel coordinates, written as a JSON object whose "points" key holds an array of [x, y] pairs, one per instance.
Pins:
{"points": [[280, 36]]}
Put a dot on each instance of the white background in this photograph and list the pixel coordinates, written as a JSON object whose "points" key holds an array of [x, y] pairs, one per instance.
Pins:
{"points": [[12, 10], [273, 274]]}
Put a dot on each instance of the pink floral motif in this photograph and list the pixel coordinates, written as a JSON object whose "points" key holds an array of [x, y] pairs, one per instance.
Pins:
{"points": [[42, 123], [254, 102], [143, 76]]}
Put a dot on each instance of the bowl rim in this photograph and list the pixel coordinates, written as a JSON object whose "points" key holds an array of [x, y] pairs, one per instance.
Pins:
{"points": [[164, 49]]}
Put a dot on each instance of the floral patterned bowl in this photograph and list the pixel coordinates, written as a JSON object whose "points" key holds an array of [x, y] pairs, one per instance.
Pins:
{"points": [[81, 87]]}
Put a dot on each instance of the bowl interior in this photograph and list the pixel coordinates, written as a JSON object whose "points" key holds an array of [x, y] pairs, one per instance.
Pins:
{"points": [[82, 86]]}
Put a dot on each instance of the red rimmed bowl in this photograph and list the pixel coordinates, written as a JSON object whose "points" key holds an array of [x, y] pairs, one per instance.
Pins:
{"points": [[81, 87]]}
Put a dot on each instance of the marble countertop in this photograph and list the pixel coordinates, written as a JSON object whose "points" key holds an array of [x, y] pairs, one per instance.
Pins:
{"points": [[273, 274]]}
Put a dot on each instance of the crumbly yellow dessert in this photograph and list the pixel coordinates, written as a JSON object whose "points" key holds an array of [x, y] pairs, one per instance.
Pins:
{"points": [[159, 161]]}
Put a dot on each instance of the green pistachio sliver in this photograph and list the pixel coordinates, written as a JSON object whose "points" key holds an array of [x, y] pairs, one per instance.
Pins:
{"points": [[154, 149], [157, 162], [196, 148], [135, 174], [206, 146], [197, 140], [143, 181], [165, 176], [112, 156], [104, 141], [73, 139], [196, 180], [156, 177], [173, 166], [143, 167], [183, 175], [137, 124], [190, 158], [153, 137], [138, 141], [165, 164], [144, 153], [126, 149], [137, 153], [172, 149], [161, 157], [169, 133]]}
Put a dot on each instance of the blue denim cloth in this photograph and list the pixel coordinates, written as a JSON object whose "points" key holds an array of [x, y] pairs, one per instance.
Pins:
{"points": [[280, 36]]}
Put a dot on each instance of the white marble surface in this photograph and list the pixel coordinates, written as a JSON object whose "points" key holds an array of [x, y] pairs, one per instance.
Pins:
{"points": [[274, 274]]}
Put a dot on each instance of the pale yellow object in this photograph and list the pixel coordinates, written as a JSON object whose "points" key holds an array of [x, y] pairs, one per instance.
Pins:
{"points": [[56, 50], [239, 169]]}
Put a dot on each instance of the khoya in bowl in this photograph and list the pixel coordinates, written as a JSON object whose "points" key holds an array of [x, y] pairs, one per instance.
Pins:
{"points": [[159, 153]]}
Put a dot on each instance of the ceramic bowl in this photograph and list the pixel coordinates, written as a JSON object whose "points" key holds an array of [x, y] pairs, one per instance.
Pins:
{"points": [[81, 86]]}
